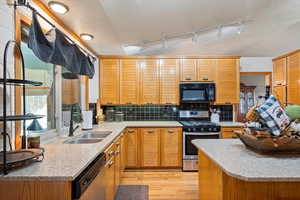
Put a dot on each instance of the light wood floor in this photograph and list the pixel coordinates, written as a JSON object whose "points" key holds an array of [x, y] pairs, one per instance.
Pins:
{"points": [[173, 185]]}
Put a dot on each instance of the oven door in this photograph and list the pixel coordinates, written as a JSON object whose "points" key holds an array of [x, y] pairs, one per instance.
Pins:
{"points": [[190, 152]]}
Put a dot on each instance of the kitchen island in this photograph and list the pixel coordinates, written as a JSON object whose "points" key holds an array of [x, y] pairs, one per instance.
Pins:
{"points": [[229, 171]]}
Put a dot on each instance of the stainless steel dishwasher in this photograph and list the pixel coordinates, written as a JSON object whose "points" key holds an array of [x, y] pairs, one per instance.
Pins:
{"points": [[90, 184]]}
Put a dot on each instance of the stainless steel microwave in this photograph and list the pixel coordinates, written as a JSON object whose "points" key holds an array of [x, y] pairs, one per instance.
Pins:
{"points": [[197, 92]]}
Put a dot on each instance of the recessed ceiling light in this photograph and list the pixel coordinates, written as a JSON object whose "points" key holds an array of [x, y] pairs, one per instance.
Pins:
{"points": [[86, 36], [132, 49], [58, 7]]}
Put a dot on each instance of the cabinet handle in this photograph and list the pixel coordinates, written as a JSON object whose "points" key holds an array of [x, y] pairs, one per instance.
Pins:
{"points": [[227, 102], [149, 103], [110, 163], [188, 78], [109, 103], [128, 103], [118, 144], [170, 131], [130, 131], [111, 153], [151, 132], [205, 79], [169, 103], [117, 152]]}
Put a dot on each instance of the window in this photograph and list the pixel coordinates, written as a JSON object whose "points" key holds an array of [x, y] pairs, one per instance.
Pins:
{"points": [[39, 100], [55, 98]]}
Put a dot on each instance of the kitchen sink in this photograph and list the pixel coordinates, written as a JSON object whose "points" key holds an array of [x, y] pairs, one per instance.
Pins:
{"points": [[98, 134], [83, 141]]}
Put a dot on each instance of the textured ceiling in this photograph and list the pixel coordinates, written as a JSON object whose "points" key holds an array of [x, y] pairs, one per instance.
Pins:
{"points": [[274, 30]]}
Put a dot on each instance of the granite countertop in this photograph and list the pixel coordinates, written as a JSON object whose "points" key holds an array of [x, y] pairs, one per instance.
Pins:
{"points": [[64, 162], [231, 124], [239, 162]]}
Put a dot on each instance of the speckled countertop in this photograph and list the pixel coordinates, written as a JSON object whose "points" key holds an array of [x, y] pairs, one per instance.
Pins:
{"points": [[64, 162], [237, 161], [231, 124]]}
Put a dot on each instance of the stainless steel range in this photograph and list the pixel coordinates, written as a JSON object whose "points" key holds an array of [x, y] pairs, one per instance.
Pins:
{"points": [[196, 125]]}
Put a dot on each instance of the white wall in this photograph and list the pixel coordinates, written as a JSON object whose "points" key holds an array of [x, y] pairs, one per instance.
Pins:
{"points": [[256, 64], [6, 33], [94, 85]]}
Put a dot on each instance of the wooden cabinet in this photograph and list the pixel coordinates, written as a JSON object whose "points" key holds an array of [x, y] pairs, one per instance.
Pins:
{"points": [[228, 132], [117, 159], [293, 78], [280, 93], [279, 71], [206, 69], [149, 92], [227, 81], [188, 70], [132, 140], [109, 81], [150, 147], [129, 82], [109, 173], [169, 81], [171, 147], [123, 153]]}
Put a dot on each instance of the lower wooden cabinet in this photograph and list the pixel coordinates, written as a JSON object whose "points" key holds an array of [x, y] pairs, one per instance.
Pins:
{"points": [[109, 173], [132, 140], [150, 147], [171, 147], [153, 147], [228, 132], [117, 159]]}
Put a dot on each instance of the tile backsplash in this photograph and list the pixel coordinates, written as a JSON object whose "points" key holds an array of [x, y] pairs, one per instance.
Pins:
{"points": [[143, 113], [166, 113]]}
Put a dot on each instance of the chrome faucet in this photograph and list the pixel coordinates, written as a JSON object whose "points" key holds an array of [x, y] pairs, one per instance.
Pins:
{"points": [[71, 129]]}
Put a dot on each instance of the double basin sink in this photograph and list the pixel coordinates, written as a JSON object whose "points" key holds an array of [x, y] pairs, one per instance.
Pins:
{"points": [[89, 138]]}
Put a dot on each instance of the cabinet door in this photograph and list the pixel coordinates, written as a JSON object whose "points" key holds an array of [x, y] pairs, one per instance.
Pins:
{"points": [[117, 163], [169, 81], [109, 81], [188, 70], [228, 132], [293, 79], [132, 158], [109, 173], [228, 81], [171, 147], [206, 69], [123, 153], [150, 147], [149, 94], [279, 72], [129, 82], [280, 93]]}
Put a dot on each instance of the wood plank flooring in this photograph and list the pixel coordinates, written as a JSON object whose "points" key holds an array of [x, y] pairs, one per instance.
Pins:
{"points": [[173, 185]]}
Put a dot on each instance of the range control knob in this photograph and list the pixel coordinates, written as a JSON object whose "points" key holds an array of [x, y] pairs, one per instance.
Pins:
{"points": [[194, 129]]}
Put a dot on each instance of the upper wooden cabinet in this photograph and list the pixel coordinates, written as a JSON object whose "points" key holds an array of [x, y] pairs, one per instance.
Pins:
{"points": [[206, 69], [149, 73], [279, 71], [129, 82], [150, 147], [109, 81], [228, 81], [188, 70], [293, 78], [169, 81]]}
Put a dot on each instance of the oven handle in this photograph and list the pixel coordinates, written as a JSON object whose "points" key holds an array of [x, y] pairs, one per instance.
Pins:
{"points": [[201, 133]]}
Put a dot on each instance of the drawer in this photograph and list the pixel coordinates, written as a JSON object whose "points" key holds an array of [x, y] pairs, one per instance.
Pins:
{"points": [[228, 132]]}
